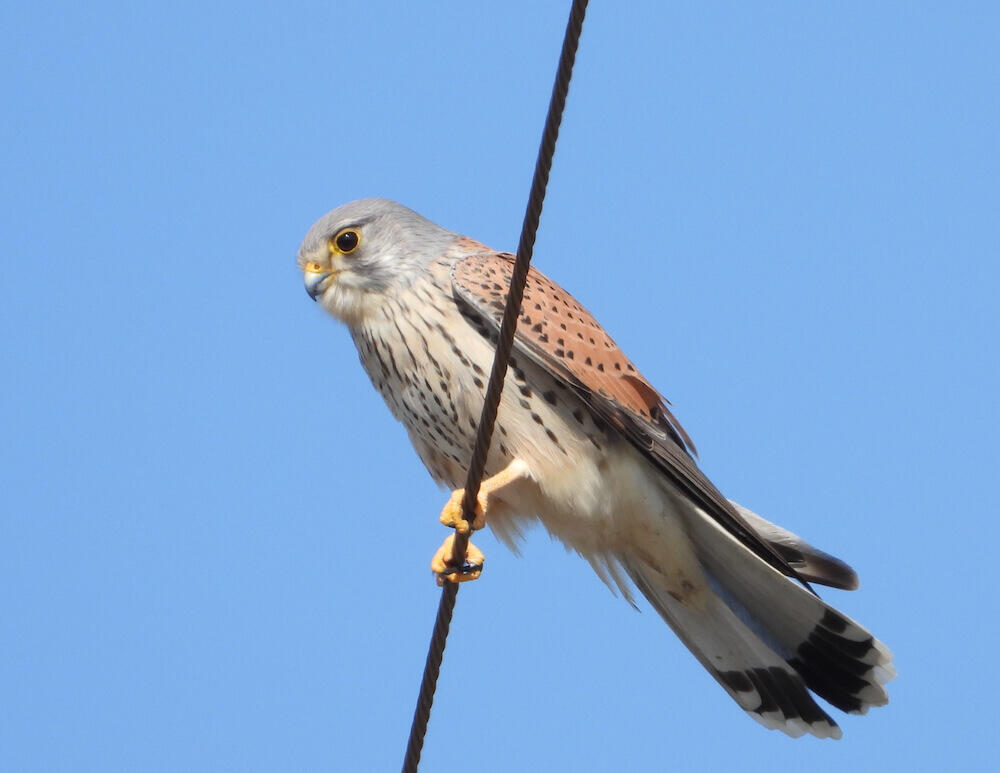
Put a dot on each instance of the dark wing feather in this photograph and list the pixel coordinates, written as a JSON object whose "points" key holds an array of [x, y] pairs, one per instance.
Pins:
{"points": [[557, 333]]}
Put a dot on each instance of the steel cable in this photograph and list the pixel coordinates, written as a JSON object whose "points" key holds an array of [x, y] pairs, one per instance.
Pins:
{"points": [[491, 404]]}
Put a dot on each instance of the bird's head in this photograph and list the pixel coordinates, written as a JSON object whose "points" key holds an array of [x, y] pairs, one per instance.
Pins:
{"points": [[361, 253]]}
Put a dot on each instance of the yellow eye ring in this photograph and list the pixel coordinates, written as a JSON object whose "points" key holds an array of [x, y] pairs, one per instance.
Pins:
{"points": [[345, 242]]}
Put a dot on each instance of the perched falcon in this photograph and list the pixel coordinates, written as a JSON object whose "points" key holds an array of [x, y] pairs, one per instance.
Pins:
{"points": [[587, 446]]}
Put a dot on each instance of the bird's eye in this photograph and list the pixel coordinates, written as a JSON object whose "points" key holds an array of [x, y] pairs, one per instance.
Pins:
{"points": [[345, 242]]}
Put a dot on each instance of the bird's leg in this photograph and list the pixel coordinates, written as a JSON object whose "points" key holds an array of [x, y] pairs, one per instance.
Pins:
{"points": [[451, 516]]}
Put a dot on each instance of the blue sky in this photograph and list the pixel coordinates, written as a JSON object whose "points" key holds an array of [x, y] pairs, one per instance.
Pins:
{"points": [[213, 537]]}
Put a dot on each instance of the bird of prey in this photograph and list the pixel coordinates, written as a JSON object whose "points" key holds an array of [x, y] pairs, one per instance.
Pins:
{"points": [[587, 446]]}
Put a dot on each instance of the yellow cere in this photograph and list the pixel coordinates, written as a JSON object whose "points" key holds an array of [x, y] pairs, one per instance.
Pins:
{"points": [[312, 267]]}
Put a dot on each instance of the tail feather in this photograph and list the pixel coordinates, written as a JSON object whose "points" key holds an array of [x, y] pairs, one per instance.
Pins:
{"points": [[758, 679], [766, 639], [836, 657]]}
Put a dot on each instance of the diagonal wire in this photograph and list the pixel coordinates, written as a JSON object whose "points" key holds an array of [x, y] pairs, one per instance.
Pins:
{"points": [[484, 434]]}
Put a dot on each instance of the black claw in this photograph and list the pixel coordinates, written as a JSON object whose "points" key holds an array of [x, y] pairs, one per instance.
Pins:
{"points": [[465, 568]]}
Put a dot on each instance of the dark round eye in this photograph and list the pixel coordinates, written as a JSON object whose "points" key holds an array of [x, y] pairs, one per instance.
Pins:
{"points": [[347, 241]]}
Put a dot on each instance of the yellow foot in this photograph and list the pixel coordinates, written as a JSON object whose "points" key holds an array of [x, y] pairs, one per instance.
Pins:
{"points": [[444, 566], [451, 515]]}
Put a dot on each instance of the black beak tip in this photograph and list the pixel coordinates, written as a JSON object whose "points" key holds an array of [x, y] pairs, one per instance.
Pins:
{"points": [[314, 284]]}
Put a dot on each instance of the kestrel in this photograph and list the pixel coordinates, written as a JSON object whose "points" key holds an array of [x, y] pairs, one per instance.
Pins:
{"points": [[587, 446]]}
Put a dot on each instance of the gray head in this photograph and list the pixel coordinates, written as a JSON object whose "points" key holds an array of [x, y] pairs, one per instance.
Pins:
{"points": [[360, 252]]}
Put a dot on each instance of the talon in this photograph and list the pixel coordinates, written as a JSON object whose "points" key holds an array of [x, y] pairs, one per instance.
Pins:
{"points": [[444, 567], [451, 514]]}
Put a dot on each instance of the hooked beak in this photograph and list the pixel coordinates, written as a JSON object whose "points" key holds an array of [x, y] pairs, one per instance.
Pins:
{"points": [[315, 279]]}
